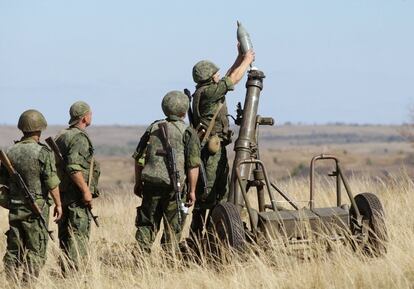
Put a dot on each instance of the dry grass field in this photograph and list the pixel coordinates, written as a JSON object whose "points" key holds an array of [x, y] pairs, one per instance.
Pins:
{"points": [[375, 158]]}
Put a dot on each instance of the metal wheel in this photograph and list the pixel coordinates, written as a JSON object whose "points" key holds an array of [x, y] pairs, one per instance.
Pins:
{"points": [[226, 226], [371, 233]]}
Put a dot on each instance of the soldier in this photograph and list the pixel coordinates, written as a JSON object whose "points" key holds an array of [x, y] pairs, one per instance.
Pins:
{"points": [[152, 181], [79, 183], [27, 237], [211, 122]]}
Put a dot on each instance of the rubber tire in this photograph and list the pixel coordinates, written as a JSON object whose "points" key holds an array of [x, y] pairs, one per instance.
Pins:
{"points": [[372, 211], [226, 224]]}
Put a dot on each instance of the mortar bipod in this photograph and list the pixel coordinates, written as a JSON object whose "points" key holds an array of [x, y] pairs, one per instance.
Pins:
{"points": [[260, 175], [340, 178]]}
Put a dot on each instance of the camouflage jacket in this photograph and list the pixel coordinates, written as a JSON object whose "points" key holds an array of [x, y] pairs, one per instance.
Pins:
{"points": [[206, 101], [36, 164], [77, 151], [183, 140]]}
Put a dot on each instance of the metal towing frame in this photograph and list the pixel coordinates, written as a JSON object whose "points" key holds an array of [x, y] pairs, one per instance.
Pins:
{"points": [[363, 221]]}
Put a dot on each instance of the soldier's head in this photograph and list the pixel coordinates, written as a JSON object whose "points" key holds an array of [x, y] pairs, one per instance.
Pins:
{"points": [[80, 114], [32, 122], [175, 103], [204, 71]]}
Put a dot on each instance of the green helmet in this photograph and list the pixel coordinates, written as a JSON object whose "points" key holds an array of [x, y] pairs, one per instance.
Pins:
{"points": [[77, 111], [32, 120], [204, 70], [175, 103]]}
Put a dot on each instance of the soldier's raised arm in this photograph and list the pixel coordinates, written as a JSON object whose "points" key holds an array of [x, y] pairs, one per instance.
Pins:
{"points": [[238, 72]]}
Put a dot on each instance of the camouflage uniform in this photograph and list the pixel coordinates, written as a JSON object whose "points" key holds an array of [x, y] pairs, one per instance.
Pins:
{"points": [[74, 228], [206, 99], [27, 237], [158, 197]]}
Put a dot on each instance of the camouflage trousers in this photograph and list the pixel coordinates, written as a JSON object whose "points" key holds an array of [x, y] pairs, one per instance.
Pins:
{"points": [[74, 231], [157, 203], [217, 171], [26, 241]]}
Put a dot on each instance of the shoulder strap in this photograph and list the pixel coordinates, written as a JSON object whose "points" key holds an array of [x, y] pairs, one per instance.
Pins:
{"points": [[212, 123], [143, 142]]}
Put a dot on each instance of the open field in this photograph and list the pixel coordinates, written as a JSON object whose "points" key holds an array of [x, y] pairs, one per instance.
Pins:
{"points": [[111, 263], [377, 160]]}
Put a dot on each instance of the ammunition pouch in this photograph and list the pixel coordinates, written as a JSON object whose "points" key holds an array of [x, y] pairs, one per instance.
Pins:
{"points": [[214, 144], [225, 136]]}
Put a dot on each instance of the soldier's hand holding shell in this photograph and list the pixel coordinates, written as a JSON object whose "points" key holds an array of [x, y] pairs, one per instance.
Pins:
{"points": [[249, 56]]}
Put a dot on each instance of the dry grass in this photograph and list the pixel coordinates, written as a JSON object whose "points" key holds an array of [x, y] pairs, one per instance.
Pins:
{"points": [[112, 265]]}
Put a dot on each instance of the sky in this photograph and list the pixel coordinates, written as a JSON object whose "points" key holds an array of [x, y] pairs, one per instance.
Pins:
{"points": [[325, 61]]}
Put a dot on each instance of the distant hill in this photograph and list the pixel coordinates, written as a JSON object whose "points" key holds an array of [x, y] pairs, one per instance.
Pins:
{"points": [[369, 150], [122, 140]]}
